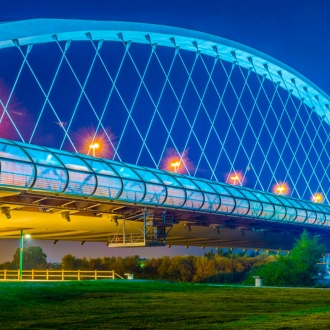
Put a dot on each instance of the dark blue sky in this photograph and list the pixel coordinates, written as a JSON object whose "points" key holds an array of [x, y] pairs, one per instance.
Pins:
{"points": [[295, 32]]}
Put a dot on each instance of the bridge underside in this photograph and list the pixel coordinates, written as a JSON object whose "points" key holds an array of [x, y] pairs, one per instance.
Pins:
{"points": [[50, 217]]}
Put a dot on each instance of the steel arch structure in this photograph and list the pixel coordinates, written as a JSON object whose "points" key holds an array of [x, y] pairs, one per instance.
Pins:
{"points": [[156, 92]]}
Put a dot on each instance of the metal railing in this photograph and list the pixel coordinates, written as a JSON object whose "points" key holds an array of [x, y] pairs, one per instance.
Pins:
{"points": [[57, 275]]}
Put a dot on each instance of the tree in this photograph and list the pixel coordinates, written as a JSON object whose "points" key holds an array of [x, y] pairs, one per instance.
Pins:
{"points": [[305, 256], [299, 268], [70, 262], [33, 258]]}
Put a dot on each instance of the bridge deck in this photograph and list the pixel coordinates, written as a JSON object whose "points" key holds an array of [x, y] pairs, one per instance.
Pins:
{"points": [[40, 188]]}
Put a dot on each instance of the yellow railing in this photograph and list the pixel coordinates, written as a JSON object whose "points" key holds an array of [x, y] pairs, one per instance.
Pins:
{"points": [[58, 275]]}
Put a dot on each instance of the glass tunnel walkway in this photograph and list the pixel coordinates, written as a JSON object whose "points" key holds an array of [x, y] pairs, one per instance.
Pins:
{"points": [[32, 168]]}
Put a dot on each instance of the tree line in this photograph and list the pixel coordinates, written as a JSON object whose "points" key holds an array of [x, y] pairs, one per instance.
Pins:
{"points": [[299, 268]]}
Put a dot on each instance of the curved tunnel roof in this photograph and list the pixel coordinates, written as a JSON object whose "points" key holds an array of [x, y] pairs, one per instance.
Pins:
{"points": [[37, 31], [39, 169]]}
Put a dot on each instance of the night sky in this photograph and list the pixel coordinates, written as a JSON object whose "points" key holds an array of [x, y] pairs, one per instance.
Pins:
{"points": [[295, 32]]}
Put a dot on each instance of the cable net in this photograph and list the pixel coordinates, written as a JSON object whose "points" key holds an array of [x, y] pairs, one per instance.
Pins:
{"points": [[166, 108]]}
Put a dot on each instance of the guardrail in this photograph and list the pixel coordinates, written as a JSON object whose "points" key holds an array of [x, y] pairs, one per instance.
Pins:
{"points": [[58, 275]]}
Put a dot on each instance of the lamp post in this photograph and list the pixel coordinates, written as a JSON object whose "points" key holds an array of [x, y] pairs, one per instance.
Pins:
{"points": [[94, 146], [175, 165], [317, 198], [280, 189], [234, 178], [21, 248]]}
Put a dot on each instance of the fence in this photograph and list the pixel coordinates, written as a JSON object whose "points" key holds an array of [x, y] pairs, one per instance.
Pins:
{"points": [[57, 275]]}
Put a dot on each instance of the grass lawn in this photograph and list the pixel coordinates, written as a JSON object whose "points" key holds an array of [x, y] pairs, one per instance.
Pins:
{"points": [[159, 305]]}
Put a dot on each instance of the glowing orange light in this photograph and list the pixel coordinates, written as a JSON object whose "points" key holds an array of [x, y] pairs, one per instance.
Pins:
{"points": [[317, 198], [87, 141], [281, 188], [177, 162], [235, 178], [175, 166], [94, 146]]}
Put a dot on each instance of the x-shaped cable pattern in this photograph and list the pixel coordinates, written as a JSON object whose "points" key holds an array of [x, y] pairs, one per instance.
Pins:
{"points": [[264, 107]]}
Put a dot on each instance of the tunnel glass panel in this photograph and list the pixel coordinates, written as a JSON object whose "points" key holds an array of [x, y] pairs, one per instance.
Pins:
{"points": [[13, 152], [280, 212], [211, 202], [323, 208], [311, 217], [296, 204], [255, 209], [235, 192], [50, 178], [320, 218], [227, 204], [147, 176], [241, 207], [125, 172], [107, 187], [203, 186], [274, 199], [175, 197], [291, 214], [16, 174], [194, 199], [261, 197], [155, 194], [100, 167], [327, 220], [73, 163], [133, 191], [249, 195], [186, 183], [43, 157], [268, 211], [301, 215], [315, 206], [307, 206], [81, 183], [219, 189], [168, 180]]}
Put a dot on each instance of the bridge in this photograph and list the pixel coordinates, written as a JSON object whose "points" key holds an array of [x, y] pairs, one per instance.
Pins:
{"points": [[232, 122], [58, 195]]}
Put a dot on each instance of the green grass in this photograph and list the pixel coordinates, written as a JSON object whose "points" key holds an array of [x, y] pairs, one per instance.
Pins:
{"points": [[159, 305]]}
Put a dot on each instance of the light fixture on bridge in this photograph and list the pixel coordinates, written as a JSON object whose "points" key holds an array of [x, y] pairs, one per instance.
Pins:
{"points": [[281, 188], [175, 165], [317, 198], [94, 146], [6, 211], [235, 178], [66, 216]]}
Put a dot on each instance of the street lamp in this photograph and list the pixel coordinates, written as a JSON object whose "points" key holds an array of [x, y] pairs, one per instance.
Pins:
{"points": [[234, 178], [175, 166], [21, 247], [317, 198], [281, 188], [94, 146]]}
